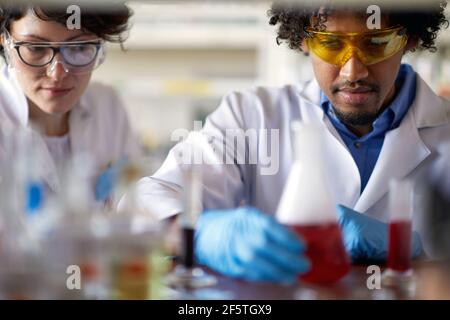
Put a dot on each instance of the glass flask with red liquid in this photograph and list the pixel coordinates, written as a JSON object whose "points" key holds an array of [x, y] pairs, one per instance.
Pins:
{"points": [[400, 229], [307, 207]]}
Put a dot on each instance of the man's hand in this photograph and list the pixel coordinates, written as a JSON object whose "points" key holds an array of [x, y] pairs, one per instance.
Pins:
{"points": [[366, 238], [248, 244]]}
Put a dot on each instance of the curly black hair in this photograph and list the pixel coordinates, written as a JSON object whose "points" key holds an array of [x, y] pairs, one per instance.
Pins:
{"points": [[109, 22], [422, 24]]}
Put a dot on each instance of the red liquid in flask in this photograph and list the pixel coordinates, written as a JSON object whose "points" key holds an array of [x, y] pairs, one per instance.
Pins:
{"points": [[326, 252], [399, 254]]}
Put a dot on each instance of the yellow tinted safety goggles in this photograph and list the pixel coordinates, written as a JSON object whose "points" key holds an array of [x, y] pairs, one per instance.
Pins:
{"points": [[370, 47]]}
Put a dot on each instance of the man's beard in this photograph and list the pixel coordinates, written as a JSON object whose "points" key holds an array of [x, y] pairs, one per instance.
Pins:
{"points": [[356, 118]]}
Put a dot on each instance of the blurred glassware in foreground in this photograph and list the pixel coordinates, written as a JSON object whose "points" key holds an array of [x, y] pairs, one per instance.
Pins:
{"points": [[399, 271], [63, 245], [435, 208], [437, 222], [314, 220], [187, 275], [21, 266]]}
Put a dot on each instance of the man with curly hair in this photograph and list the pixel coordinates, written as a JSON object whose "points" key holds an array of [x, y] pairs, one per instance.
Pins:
{"points": [[379, 119]]}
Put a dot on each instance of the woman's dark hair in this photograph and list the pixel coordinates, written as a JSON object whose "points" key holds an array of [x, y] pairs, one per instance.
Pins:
{"points": [[422, 24], [109, 22]]}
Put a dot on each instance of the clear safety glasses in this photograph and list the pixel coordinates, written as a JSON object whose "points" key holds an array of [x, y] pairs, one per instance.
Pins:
{"points": [[77, 57], [370, 47]]}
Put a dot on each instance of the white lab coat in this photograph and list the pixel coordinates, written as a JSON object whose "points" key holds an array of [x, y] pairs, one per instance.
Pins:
{"points": [[416, 148], [98, 126]]}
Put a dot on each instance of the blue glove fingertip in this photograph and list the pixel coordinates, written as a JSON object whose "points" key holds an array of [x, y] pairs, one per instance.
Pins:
{"points": [[284, 236], [417, 247], [297, 243], [342, 212], [304, 265], [289, 281]]}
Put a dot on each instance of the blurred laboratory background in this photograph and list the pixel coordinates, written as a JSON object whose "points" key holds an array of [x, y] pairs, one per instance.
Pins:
{"points": [[182, 57]]}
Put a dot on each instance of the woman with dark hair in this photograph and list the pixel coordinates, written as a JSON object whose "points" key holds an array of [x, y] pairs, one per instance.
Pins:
{"points": [[46, 86]]}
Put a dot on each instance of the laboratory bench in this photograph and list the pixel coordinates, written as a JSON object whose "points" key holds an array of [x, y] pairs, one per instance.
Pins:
{"points": [[431, 281]]}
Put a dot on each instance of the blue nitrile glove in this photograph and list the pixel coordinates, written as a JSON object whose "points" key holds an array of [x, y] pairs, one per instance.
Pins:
{"points": [[248, 244], [366, 238], [107, 180]]}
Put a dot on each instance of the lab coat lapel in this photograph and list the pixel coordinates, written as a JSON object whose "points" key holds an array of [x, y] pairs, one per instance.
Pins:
{"points": [[16, 108], [312, 110], [402, 152], [403, 149], [341, 170]]}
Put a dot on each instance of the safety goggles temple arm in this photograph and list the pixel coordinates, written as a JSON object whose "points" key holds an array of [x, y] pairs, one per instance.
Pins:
{"points": [[5, 33], [403, 31], [307, 33], [98, 42]]}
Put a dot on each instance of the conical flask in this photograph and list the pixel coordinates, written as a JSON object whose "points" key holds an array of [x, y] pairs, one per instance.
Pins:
{"points": [[308, 208]]}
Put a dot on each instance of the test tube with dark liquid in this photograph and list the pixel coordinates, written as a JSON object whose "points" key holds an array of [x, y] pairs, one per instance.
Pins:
{"points": [[187, 274]]}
